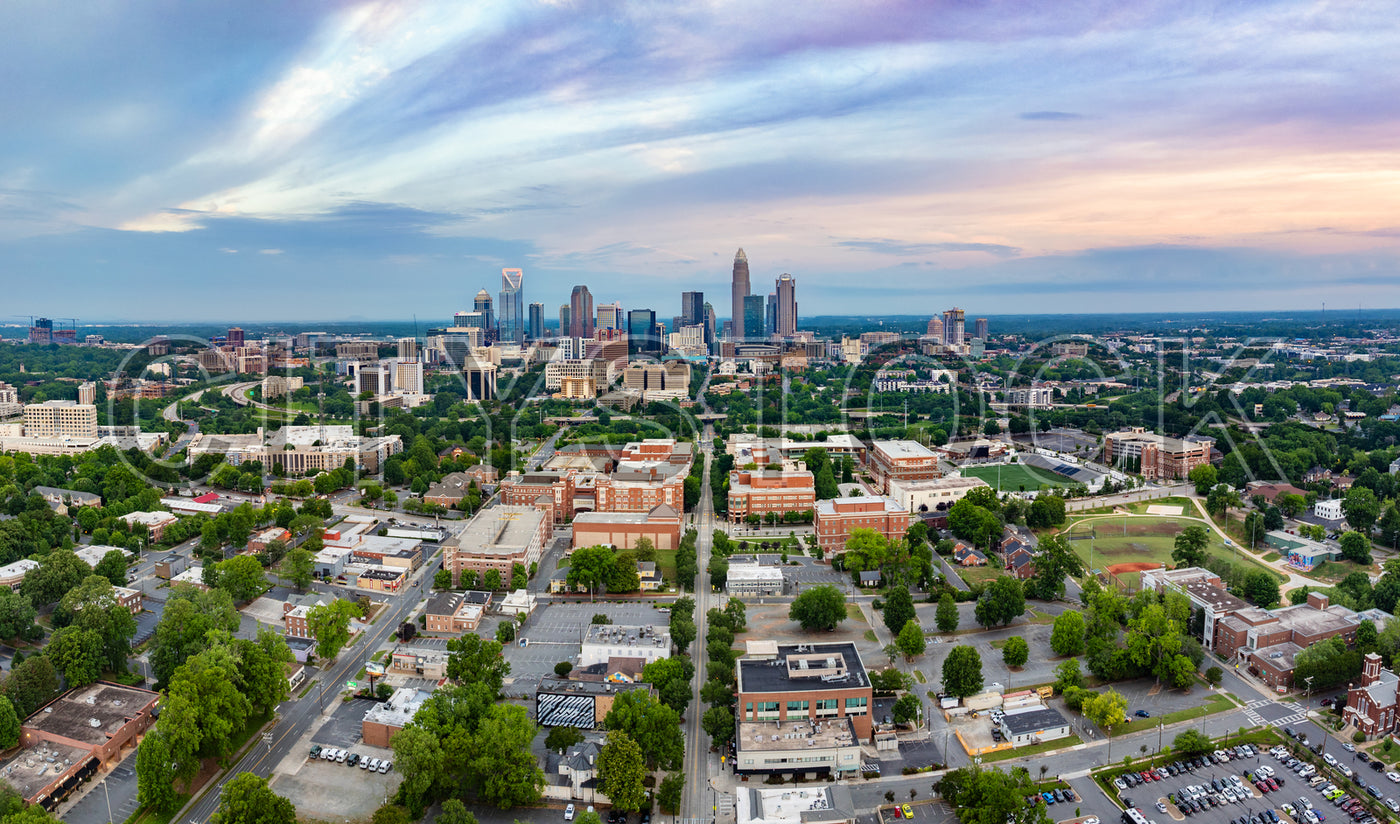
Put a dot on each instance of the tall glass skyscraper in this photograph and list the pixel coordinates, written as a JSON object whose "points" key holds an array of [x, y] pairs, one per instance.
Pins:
{"points": [[488, 317], [785, 323], [581, 313], [536, 321], [512, 306], [641, 333], [751, 319], [738, 290]]}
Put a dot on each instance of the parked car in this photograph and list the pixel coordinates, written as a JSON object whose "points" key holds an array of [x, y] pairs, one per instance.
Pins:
{"points": [[1143, 714], [908, 811], [569, 813], [316, 753]]}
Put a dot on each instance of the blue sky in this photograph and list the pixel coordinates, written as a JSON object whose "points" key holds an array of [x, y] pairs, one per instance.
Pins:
{"points": [[263, 161]]}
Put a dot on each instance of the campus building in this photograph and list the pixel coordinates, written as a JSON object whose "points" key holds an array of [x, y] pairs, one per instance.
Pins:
{"points": [[497, 538], [761, 491], [837, 518], [622, 530], [902, 461], [301, 449], [803, 682], [1160, 457]]}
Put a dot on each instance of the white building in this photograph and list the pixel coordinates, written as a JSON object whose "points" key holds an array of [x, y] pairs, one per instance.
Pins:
{"points": [[933, 495], [1330, 509], [747, 576], [604, 641]]}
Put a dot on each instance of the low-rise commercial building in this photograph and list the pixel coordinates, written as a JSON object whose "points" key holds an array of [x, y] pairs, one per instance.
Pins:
{"points": [[805, 682], [381, 721], [154, 522], [794, 805], [800, 747], [747, 575], [1033, 725], [561, 702], [604, 641], [455, 612], [12, 574], [418, 662]]}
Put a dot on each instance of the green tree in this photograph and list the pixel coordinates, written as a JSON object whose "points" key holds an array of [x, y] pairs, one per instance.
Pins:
{"points": [[621, 771], [93, 605], [947, 614], [1189, 549], [591, 567], [973, 523], [329, 625], [1361, 509], [1356, 547], [503, 769], [1001, 602], [156, 773], [560, 739], [190, 613], [476, 660], [819, 607], [962, 672], [906, 709], [112, 567], [1106, 709], [241, 577], [825, 483], [58, 572], [77, 654], [1192, 742], [653, 725], [247, 800], [455, 812], [1016, 652], [718, 723], [298, 565], [16, 614], [1054, 560], [419, 759], [990, 796], [1045, 511], [1067, 675], [911, 641], [1261, 589], [899, 609], [9, 724], [1067, 637], [668, 795], [1204, 477]]}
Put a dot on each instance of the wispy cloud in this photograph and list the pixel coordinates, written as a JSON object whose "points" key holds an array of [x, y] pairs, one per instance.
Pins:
{"points": [[269, 251], [1050, 115], [892, 247]]}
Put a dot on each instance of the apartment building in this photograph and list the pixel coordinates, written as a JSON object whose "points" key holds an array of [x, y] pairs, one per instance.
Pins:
{"points": [[497, 538], [760, 491], [1161, 457], [837, 518], [60, 419]]}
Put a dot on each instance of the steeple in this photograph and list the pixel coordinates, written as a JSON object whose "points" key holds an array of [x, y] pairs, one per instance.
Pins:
{"points": [[740, 255]]}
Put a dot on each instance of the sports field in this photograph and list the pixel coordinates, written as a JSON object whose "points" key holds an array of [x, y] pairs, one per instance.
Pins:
{"points": [[1016, 477], [1139, 540]]}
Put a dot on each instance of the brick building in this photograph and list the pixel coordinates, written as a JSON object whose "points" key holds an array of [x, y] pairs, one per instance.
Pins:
{"points": [[760, 491], [1160, 456], [838, 517], [901, 461], [1373, 706], [497, 538], [804, 682], [455, 612], [381, 721], [662, 526], [638, 478]]}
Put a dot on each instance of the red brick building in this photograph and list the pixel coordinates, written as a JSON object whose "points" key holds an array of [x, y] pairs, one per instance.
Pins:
{"points": [[837, 518], [1372, 705], [760, 491], [901, 461], [1160, 456], [815, 682], [662, 526]]}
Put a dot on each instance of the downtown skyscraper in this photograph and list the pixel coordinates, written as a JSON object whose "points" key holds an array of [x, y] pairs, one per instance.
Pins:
{"points": [[580, 313], [536, 321], [739, 289], [786, 321], [512, 314]]}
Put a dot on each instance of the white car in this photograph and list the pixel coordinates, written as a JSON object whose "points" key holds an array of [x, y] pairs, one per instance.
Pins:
{"points": [[1120, 783], [1287, 809], [1394, 807], [1331, 762], [1393, 776], [569, 813]]}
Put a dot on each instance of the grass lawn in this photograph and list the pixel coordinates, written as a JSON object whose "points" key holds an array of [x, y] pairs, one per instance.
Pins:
{"points": [[1017, 477], [920, 677], [1333, 572], [666, 562], [853, 612], [979, 575], [1034, 749], [1147, 540], [870, 636], [1215, 702]]}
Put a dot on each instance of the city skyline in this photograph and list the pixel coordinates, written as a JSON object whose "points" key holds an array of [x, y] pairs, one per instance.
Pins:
{"points": [[1052, 160]]}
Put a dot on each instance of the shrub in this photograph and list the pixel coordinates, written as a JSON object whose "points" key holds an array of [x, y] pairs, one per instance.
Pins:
{"points": [[1358, 736]]}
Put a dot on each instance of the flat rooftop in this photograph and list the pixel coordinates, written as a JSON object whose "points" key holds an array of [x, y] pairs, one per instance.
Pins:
{"points": [[804, 667], [1311, 621], [796, 735], [902, 450], [31, 770], [552, 685], [624, 636], [91, 714], [1279, 656], [1032, 719], [399, 709], [503, 529], [1219, 599]]}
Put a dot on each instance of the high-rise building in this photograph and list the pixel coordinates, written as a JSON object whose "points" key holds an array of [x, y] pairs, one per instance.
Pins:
{"points": [[641, 333], [408, 349], [610, 316], [581, 313], [536, 321], [87, 393], [953, 322], [512, 306], [786, 321], [564, 320], [739, 289], [480, 378], [981, 329], [770, 321], [692, 308], [935, 328], [482, 305], [710, 325], [459, 319], [751, 319], [408, 376], [235, 336]]}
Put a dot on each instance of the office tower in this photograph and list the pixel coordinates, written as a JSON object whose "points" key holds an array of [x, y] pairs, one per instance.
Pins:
{"points": [[935, 328], [641, 333], [408, 376], [953, 321], [610, 316], [770, 318], [408, 349], [235, 336], [480, 378], [374, 378], [87, 393], [710, 325], [786, 321], [512, 306], [751, 319], [564, 320], [488, 318], [692, 308], [981, 329], [581, 313], [459, 320], [739, 289], [536, 321]]}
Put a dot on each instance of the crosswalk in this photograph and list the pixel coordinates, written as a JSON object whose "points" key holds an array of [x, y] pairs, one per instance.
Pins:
{"points": [[1259, 720]]}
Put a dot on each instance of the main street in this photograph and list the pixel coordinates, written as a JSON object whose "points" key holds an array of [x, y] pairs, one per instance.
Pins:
{"points": [[697, 750]]}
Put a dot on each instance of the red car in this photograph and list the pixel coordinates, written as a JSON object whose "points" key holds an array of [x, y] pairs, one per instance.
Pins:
{"points": [[1147, 776]]}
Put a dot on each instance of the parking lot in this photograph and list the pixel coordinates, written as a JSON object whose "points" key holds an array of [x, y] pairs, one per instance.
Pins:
{"points": [[330, 791], [554, 633], [342, 729], [1221, 793]]}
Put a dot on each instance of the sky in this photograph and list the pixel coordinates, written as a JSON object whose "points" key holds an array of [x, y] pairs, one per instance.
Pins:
{"points": [[328, 161]]}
